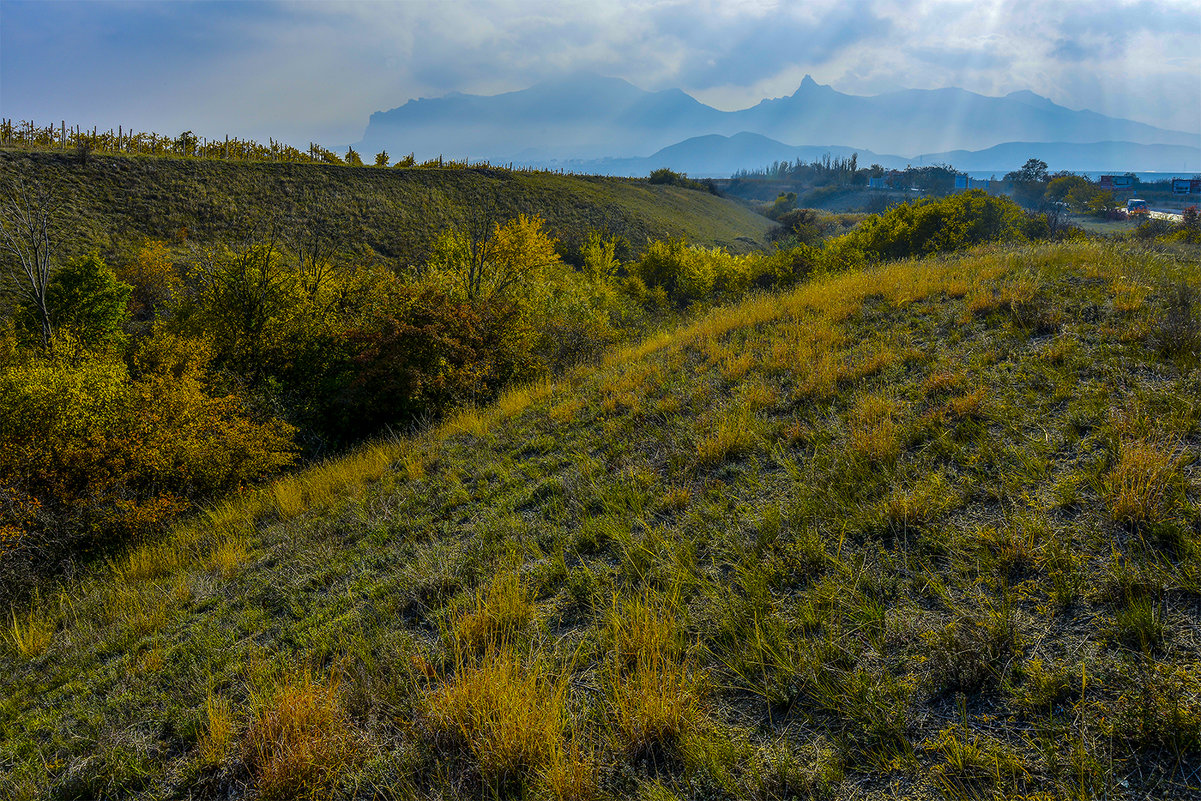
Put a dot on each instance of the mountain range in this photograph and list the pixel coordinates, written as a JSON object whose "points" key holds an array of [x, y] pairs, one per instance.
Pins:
{"points": [[716, 156], [583, 117]]}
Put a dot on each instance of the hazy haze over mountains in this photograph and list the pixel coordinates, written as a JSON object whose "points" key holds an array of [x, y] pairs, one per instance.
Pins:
{"points": [[716, 156], [584, 117]]}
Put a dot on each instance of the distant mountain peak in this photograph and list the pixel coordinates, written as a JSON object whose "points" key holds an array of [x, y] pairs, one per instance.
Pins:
{"points": [[807, 84], [1030, 99]]}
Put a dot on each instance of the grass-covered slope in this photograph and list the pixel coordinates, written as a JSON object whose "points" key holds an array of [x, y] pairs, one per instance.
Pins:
{"points": [[397, 213], [924, 531]]}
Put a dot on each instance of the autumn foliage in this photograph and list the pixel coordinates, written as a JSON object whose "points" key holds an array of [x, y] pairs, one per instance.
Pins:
{"points": [[97, 453]]}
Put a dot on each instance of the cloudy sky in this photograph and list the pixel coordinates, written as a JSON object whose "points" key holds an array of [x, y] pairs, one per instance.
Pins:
{"points": [[301, 71]]}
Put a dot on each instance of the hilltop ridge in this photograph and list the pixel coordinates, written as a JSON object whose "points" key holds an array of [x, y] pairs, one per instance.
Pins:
{"points": [[396, 213]]}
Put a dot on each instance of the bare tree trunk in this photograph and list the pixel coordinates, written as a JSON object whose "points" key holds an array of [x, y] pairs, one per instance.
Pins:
{"points": [[29, 217]]}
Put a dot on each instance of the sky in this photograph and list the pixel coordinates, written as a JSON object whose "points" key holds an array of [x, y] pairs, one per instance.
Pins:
{"points": [[304, 70]]}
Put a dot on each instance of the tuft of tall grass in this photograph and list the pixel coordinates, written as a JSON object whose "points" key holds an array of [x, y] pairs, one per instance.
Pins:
{"points": [[328, 483], [653, 695], [873, 430], [1128, 295], [570, 772], [501, 613], [1138, 623], [147, 562], [732, 435], [1143, 486], [300, 741], [509, 716], [30, 633], [975, 766], [469, 421], [228, 553], [219, 730], [920, 503], [972, 651]]}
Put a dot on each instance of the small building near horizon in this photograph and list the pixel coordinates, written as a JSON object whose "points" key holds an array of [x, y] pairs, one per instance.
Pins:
{"points": [[1116, 183], [964, 182]]}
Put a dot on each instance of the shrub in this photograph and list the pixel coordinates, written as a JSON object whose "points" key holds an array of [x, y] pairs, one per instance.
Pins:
{"points": [[429, 352], [154, 279], [940, 225], [663, 175], [688, 274], [87, 300], [801, 226], [104, 455]]}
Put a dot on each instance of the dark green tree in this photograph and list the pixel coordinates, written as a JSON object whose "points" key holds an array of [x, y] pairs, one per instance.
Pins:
{"points": [[86, 298], [1030, 182]]}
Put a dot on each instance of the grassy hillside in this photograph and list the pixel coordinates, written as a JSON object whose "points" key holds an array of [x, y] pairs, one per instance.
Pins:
{"points": [[396, 213], [928, 530]]}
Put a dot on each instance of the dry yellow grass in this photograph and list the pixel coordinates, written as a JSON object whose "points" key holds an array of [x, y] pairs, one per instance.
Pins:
{"points": [[511, 717], [412, 462], [736, 365], [148, 562], [517, 399], [921, 502], [757, 395], [219, 730], [1128, 296], [981, 300], [943, 381], [653, 695], [969, 404], [31, 633], [501, 613], [1142, 486], [469, 421], [141, 611], [570, 772], [872, 428], [879, 359], [300, 741], [228, 554], [565, 412], [333, 481], [731, 435]]}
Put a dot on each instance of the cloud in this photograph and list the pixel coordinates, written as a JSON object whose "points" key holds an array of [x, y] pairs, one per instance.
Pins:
{"points": [[301, 70], [720, 51]]}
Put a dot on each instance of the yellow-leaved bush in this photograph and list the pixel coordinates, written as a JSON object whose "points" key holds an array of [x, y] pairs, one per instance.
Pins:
{"points": [[93, 452]]}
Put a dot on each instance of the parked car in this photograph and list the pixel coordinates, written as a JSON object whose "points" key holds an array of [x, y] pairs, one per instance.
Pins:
{"points": [[1137, 208]]}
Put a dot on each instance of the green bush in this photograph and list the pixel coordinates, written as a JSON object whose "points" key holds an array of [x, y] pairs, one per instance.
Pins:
{"points": [[941, 225]]}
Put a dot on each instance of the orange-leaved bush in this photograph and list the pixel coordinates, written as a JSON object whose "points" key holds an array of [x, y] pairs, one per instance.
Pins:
{"points": [[96, 453]]}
